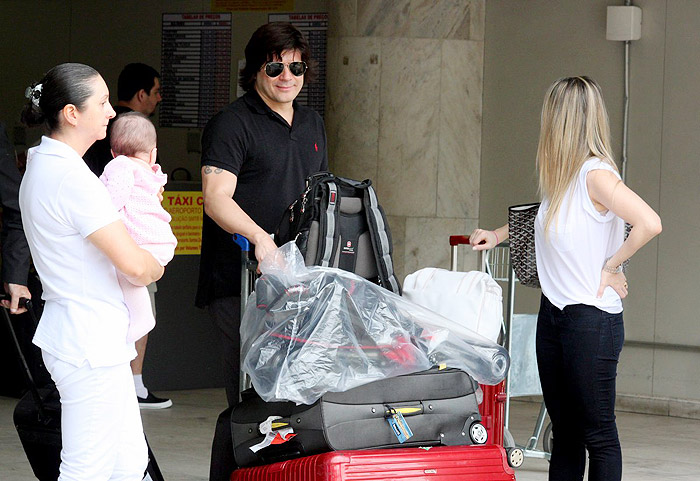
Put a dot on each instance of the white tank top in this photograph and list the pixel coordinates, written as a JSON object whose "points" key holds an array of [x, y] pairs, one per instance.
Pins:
{"points": [[570, 259]]}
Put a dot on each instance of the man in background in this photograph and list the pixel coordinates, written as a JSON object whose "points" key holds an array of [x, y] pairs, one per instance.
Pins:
{"points": [[15, 250], [17, 279], [138, 89]]}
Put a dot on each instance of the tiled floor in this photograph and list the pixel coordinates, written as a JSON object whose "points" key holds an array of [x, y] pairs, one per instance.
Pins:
{"points": [[654, 447], [658, 448]]}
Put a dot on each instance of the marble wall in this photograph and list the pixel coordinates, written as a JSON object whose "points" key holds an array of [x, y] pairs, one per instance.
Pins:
{"points": [[404, 104]]}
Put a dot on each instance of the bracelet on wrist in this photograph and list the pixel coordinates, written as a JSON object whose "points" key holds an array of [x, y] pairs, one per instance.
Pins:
{"points": [[611, 270], [494, 233]]}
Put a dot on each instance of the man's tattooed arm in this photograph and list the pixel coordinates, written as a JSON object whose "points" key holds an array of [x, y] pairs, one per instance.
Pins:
{"points": [[208, 169]]}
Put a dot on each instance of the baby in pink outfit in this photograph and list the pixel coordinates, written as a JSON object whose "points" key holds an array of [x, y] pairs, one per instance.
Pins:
{"points": [[135, 183]]}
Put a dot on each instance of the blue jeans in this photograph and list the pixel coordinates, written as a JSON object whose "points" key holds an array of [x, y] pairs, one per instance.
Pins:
{"points": [[577, 353]]}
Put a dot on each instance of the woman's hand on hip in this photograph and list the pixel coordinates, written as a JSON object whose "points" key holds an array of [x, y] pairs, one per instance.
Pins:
{"points": [[617, 281]]}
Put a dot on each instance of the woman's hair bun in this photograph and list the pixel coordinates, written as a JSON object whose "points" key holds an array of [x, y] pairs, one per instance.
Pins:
{"points": [[32, 114], [66, 83]]}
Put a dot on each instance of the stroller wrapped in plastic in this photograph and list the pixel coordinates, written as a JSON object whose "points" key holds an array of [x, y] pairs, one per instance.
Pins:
{"points": [[311, 330]]}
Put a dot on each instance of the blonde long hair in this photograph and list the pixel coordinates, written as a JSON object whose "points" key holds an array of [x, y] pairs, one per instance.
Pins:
{"points": [[574, 127]]}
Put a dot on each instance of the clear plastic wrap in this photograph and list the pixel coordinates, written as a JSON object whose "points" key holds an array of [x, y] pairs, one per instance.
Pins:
{"points": [[310, 330]]}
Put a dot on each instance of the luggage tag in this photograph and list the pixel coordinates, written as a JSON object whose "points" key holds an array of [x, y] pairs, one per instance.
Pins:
{"points": [[275, 433], [398, 424]]}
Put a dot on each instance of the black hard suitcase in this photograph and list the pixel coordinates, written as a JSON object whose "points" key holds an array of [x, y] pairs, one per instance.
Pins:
{"points": [[37, 418], [222, 461], [38, 423], [439, 406]]}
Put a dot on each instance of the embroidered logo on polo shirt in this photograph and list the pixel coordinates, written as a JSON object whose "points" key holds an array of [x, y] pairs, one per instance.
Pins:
{"points": [[316, 146]]}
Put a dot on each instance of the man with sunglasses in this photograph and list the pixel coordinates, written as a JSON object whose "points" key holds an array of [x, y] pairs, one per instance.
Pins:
{"points": [[256, 155]]}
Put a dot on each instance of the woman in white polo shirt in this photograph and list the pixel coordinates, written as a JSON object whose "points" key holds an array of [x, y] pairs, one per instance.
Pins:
{"points": [[78, 242], [580, 247]]}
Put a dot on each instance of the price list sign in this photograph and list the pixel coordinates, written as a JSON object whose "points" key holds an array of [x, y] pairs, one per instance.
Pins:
{"points": [[314, 26], [196, 67]]}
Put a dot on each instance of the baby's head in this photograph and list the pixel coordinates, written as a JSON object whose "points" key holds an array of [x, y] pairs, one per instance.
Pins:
{"points": [[132, 134]]}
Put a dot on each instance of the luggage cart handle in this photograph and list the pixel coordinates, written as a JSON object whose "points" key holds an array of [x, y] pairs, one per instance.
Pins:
{"points": [[247, 263], [248, 268], [242, 242], [456, 240]]}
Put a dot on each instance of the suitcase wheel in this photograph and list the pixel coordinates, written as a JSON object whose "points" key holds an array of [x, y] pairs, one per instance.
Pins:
{"points": [[515, 457], [478, 433], [548, 440]]}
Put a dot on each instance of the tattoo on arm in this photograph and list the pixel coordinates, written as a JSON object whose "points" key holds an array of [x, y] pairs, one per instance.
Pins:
{"points": [[209, 169]]}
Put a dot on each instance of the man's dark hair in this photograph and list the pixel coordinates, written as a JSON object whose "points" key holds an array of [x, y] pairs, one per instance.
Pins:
{"points": [[267, 44], [134, 77]]}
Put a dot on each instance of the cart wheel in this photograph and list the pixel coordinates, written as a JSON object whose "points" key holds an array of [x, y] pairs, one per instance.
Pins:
{"points": [[548, 440], [478, 433], [515, 457]]}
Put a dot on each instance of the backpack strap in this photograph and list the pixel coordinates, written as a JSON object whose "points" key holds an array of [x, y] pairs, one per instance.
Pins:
{"points": [[328, 223], [378, 230]]}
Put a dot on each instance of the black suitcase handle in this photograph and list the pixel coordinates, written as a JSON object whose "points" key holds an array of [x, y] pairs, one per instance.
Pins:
{"points": [[31, 384]]}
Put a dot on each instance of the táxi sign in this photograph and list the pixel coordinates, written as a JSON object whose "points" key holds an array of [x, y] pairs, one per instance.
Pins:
{"points": [[185, 207]]}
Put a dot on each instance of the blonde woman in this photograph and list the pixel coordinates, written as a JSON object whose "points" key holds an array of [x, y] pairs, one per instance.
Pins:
{"points": [[580, 247]]}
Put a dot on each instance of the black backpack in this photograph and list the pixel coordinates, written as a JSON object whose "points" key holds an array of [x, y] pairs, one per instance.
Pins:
{"points": [[337, 222]]}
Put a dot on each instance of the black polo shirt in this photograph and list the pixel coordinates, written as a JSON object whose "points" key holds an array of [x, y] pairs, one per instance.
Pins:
{"points": [[271, 161]]}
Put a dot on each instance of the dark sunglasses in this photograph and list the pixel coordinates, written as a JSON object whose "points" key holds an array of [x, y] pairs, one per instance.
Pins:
{"points": [[275, 69]]}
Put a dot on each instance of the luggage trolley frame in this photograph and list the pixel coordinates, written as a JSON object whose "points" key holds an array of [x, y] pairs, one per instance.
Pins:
{"points": [[499, 266], [248, 273], [222, 459], [499, 393], [496, 262], [489, 462]]}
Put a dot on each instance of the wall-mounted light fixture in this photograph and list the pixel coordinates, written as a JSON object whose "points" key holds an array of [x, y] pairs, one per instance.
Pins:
{"points": [[624, 23]]}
